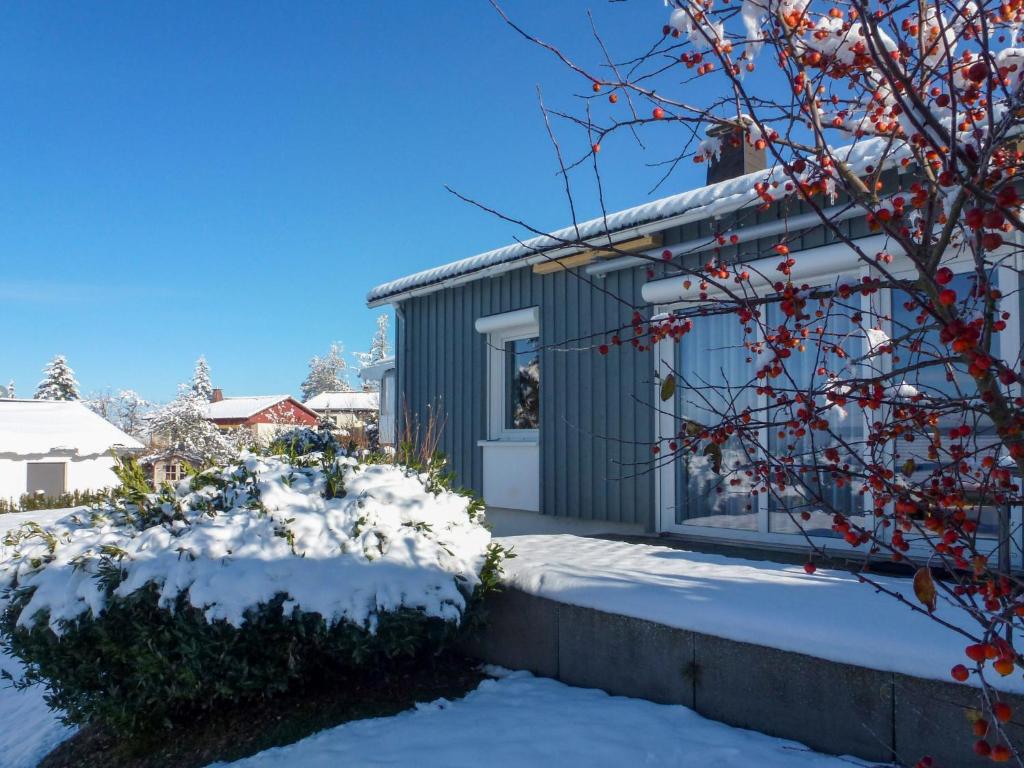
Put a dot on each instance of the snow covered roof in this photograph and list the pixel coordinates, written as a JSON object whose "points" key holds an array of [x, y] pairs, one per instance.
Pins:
{"points": [[376, 371], [34, 427], [344, 401], [693, 205], [241, 407]]}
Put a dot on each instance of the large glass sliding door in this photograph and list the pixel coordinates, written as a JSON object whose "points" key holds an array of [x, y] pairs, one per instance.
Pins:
{"points": [[713, 495], [717, 493], [809, 500], [714, 378]]}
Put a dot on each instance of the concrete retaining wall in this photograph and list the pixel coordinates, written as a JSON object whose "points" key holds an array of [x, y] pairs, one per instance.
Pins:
{"points": [[831, 707]]}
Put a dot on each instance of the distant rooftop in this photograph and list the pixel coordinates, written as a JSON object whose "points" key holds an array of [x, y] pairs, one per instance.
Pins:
{"points": [[344, 401], [33, 427], [241, 407]]}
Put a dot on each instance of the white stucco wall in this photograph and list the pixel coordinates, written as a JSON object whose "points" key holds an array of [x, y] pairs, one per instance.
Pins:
{"points": [[82, 474], [12, 479], [91, 474]]}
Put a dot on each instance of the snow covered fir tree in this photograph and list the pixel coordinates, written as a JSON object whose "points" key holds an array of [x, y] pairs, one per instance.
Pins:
{"points": [[202, 385], [327, 373], [181, 427], [58, 382], [379, 349]]}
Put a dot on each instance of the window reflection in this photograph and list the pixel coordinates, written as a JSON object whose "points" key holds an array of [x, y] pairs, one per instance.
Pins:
{"points": [[714, 378], [522, 377], [931, 374]]}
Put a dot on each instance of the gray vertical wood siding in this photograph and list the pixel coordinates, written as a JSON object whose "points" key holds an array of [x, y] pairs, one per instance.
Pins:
{"points": [[597, 414], [596, 419]]}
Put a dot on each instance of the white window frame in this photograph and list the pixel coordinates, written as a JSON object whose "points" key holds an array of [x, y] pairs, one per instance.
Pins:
{"points": [[814, 265], [1009, 345], [668, 421], [500, 330]]}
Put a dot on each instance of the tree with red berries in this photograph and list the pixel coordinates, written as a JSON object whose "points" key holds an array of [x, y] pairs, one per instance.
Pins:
{"points": [[883, 408]]}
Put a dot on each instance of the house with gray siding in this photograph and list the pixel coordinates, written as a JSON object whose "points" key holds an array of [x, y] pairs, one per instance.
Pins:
{"points": [[503, 349]]}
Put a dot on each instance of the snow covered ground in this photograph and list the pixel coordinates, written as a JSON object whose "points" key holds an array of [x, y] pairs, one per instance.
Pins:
{"points": [[44, 517], [28, 730], [829, 614], [521, 720]]}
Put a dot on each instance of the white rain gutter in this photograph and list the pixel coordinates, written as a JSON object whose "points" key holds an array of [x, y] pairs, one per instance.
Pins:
{"points": [[833, 259], [717, 207], [700, 245], [598, 241]]}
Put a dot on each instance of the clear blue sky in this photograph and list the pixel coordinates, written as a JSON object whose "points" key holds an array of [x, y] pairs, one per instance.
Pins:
{"points": [[229, 179]]}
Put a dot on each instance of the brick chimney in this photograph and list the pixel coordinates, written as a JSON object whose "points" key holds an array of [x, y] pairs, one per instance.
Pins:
{"points": [[217, 396], [737, 157]]}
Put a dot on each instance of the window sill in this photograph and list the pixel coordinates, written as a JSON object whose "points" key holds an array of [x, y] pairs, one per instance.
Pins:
{"points": [[510, 442]]}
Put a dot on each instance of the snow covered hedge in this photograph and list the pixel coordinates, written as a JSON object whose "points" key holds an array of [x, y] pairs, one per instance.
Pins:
{"points": [[240, 582]]}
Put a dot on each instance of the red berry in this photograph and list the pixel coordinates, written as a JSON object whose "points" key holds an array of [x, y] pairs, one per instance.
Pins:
{"points": [[597, 87], [613, 97], [944, 276], [975, 652], [596, 148], [991, 240], [994, 220], [959, 673], [603, 349], [982, 747], [810, 567], [974, 218], [978, 71], [947, 297], [658, 113], [1001, 753], [1002, 711], [666, 255]]}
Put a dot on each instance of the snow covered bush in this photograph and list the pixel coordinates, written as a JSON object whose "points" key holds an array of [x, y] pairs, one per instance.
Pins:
{"points": [[239, 583], [303, 440]]}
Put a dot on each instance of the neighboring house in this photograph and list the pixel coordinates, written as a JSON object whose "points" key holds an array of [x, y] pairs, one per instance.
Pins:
{"points": [[346, 410], [383, 372], [265, 415], [53, 447], [538, 428]]}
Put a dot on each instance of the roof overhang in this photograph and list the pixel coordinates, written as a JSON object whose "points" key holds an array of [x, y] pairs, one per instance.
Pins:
{"points": [[705, 202]]}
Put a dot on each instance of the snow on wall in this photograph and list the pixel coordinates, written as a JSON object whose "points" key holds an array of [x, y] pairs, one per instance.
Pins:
{"points": [[828, 615], [703, 202]]}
